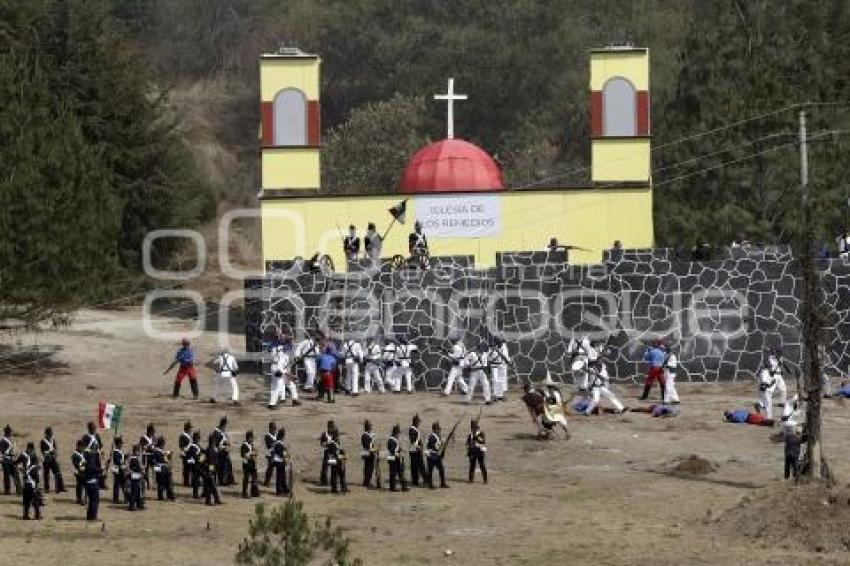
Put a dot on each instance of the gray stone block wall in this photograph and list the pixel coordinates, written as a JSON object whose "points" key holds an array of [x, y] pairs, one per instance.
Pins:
{"points": [[719, 314]]}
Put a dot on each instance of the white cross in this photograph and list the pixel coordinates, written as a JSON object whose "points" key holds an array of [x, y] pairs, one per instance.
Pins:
{"points": [[450, 97]]}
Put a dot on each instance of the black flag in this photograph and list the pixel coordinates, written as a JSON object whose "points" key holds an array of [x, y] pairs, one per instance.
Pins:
{"points": [[399, 211]]}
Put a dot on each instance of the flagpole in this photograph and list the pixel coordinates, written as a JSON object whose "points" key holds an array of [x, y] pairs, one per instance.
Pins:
{"points": [[384, 237]]}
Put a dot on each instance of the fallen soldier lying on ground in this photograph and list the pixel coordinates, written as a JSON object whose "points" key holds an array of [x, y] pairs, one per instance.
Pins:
{"points": [[657, 410], [581, 406], [743, 416], [844, 390]]}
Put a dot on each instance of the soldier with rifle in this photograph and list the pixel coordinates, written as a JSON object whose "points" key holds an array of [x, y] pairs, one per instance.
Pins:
{"points": [[7, 457], [183, 442], [208, 462], [49, 461], [335, 456], [279, 461], [370, 454], [94, 445], [162, 470], [137, 477], [78, 464], [435, 452], [416, 447], [146, 442], [193, 455], [395, 459], [476, 450], [32, 497], [185, 358], [476, 362], [269, 440], [324, 438], [249, 466], [222, 446], [118, 468]]}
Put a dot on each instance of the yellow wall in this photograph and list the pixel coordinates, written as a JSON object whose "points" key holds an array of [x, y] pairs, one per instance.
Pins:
{"points": [[620, 159], [590, 218], [291, 168], [629, 64], [278, 73]]}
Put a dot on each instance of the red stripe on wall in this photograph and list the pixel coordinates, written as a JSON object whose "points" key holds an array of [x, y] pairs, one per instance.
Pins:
{"points": [[267, 123], [596, 113], [642, 113], [314, 128]]}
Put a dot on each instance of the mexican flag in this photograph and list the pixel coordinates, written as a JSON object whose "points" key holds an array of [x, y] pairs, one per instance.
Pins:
{"points": [[109, 415]]}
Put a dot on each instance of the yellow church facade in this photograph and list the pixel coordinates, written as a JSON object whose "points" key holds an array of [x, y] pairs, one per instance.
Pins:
{"points": [[298, 219]]}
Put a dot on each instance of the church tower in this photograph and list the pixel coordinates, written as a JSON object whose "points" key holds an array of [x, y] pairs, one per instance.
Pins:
{"points": [[619, 115], [290, 129]]}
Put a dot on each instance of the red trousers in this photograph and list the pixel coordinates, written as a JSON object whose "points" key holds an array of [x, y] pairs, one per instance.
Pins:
{"points": [[183, 373], [653, 375], [328, 380]]}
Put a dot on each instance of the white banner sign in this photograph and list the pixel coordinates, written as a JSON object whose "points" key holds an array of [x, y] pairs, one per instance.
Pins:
{"points": [[461, 216]]}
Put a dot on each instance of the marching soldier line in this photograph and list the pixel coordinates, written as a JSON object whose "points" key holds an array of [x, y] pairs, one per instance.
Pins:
{"points": [[205, 469]]}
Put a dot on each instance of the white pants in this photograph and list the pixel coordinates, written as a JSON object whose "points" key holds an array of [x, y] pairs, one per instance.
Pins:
{"points": [[390, 376], [596, 393], [405, 373], [455, 374], [670, 393], [221, 382], [766, 401], [373, 375], [500, 381], [585, 380], [279, 387], [310, 370], [352, 377], [783, 390], [478, 375]]}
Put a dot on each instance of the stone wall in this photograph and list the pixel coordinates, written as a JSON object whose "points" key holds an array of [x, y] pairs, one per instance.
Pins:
{"points": [[719, 314]]}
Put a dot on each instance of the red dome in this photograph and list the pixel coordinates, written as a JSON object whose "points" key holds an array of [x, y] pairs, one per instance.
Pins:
{"points": [[451, 165]]}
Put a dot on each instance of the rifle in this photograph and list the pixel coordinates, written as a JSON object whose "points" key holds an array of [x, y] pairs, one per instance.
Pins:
{"points": [[450, 436], [171, 367]]}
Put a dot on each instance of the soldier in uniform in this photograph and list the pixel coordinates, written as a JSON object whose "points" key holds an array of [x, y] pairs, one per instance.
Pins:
{"points": [[146, 442], [476, 361], [185, 358], [162, 469], [137, 473], [209, 462], [183, 442], [476, 449], [193, 454], [372, 242], [324, 438], [94, 445], [351, 244], [28, 462], [279, 459], [7, 456], [335, 456], [498, 359], [395, 459], [417, 245], [222, 445], [307, 350], [50, 463], [92, 476], [369, 454], [352, 353], [269, 440], [457, 356], [404, 351], [78, 464], [249, 466], [282, 376], [435, 456], [118, 469], [417, 461], [373, 373]]}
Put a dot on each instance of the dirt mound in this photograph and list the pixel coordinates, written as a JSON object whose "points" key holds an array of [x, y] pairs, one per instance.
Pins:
{"points": [[811, 517], [691, 465]]}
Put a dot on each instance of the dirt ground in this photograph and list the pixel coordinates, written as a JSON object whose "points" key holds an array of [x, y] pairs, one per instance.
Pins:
{"points": [[622, 490]]}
